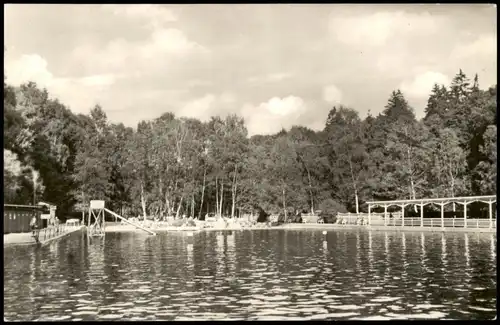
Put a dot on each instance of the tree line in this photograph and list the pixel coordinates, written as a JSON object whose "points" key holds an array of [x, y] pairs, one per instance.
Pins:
{"points": [[181, 166]]}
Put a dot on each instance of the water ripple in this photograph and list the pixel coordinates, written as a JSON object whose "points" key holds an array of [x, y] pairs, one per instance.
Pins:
{"points": [[254, 275]]}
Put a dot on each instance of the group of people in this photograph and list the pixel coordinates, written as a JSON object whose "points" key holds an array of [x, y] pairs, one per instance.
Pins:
{"points": [[35, 226], [361, 221], [262, 219]]}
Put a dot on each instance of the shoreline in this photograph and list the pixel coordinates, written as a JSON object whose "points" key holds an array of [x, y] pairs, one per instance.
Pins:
{"points": [[129, 228], [326, 226], [305, 226]]}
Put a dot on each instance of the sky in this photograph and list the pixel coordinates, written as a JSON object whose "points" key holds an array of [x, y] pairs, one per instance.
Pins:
{"points": [[275, 65]]}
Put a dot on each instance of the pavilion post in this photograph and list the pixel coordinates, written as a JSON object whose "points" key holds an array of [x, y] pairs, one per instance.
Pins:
{"points": [[402, 215], [442, 215], [421, 214], [385, 214], [88, 221], [465, 214], [490, 204], [369, 214]]}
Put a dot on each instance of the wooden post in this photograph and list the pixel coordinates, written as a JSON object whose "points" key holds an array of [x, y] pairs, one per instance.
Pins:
{"points": [[88, 221], [402, 215], [369, 214], [465, 214], [491, 213], [421, 214], [385, 214], [103, 216], [442, 215]]}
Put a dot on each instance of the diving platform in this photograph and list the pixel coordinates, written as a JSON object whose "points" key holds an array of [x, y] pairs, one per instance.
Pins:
{"points": [[96, 221]]}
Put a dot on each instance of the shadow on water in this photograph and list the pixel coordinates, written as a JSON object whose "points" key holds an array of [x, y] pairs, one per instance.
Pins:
{"points": [[259, 274]]}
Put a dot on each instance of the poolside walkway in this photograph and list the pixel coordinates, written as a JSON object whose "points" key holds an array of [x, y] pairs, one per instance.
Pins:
{"points": [[326, 226], [24, 238], [27, 239], [130, 228]]}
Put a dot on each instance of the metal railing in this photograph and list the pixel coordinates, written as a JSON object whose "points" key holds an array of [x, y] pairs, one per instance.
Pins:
{"points": [[55, 230], [436, 222], [377, 219]]}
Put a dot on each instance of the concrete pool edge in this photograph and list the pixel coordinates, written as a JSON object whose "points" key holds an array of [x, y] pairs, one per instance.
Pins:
{"points": [[388, 228], [119, 228], [116, 228], [43, 242]]}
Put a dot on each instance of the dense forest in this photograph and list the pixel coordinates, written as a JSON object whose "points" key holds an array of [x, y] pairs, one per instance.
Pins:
{"points": [[181, 166]]}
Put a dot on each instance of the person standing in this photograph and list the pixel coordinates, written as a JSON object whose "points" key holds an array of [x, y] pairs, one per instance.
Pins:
{"points": [[34, 226]]}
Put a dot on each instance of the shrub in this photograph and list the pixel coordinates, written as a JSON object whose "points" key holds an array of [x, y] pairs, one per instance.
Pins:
{"points": [[329, 209]]}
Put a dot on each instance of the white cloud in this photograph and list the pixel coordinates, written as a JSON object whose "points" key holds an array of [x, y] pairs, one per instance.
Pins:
{"points": [[78, 93], [332, 94], [376, 29], [160, 48], [485, 45], [227, 98], [153, 15], [207, 106], [198, 108], [163, 40], [112, 57], [279, 76], [269, 117], [30, 67], [98, 80], [172, 41], [271, 77], [283, 107], [421, 85], [198, 82]]}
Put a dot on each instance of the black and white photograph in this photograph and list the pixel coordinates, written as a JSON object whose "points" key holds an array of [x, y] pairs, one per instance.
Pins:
{"points": [[250, 162]]}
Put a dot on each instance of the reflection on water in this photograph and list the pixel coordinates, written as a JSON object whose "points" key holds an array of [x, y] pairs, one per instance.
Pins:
{"points": [[493, 248], [467, 257], [358, 253], [387, 252], [370, 249], [422, 250], [443, 251], [260, 274], [467, 269], [403, 255]]}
